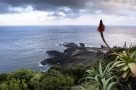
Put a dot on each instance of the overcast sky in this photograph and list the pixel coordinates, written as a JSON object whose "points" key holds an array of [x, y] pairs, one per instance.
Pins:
{"points": [[67, 12]]}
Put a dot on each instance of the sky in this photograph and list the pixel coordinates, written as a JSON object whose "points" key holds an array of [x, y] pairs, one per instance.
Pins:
{"points": [[67, 12]]}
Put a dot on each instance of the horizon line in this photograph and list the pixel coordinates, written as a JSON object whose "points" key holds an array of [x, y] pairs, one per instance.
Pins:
{"points": [[67, 25]]}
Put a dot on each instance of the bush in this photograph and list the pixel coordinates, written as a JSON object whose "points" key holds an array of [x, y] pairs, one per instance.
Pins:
{"points": [[3, 77], [77, 72], [54, 83], [14, 85], [22, 74], [24, 79]]}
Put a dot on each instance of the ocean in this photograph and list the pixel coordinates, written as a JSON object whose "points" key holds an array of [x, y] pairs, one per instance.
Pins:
{"points": [[26, 46]]}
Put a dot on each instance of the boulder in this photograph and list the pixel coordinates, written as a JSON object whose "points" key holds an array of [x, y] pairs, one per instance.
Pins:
{"points": [[82, 45]]}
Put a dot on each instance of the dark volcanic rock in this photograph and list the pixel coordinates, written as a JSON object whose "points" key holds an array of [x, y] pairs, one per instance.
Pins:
{"points": [[54, 53], [72, 55], [69, 51], [82, 45], [55, 60], [70, 45], [56, 57]]}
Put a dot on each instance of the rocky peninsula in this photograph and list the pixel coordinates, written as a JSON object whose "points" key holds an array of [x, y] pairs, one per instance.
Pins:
{"points": [[74, 55]]}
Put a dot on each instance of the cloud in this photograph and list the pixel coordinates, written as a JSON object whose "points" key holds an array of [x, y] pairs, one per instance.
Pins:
{"points": [[71, 9], [45, 4], [74, 6]]}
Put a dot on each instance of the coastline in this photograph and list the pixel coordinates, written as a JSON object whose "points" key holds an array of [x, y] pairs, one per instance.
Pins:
{"points": [[27, 46], [75, 55]]}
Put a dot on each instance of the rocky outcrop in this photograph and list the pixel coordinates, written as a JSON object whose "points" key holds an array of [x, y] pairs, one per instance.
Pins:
{"points": [[55, 57], [70, 45], [73, 54], [54, 53]]}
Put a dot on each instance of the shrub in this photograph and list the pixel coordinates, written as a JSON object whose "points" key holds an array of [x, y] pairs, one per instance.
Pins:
{"points": [[3, 77], [13, 84], [22, 74], [34, 82], [24, 79], [56, 80], [76, 72], [29, 77]]}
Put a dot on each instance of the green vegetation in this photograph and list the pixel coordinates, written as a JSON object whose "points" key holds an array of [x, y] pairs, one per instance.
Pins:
{"points": [[117, 73], [101, 78], [56, 77]]}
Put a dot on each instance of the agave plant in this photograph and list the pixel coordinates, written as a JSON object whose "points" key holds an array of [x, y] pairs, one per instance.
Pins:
{"points": [[126, 63], [101, 79]]}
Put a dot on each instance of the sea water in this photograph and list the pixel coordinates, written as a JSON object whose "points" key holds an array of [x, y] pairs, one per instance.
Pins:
{"points": [[26, 46]]}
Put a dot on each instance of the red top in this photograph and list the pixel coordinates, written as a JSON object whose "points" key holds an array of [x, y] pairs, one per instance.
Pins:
{"points": [[101, 27]]}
